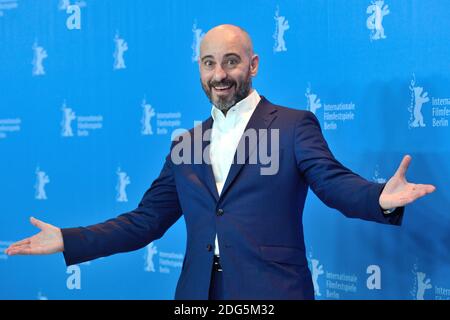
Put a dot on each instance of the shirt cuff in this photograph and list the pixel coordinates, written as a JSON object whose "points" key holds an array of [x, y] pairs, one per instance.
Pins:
{"points": [[389, 211]]}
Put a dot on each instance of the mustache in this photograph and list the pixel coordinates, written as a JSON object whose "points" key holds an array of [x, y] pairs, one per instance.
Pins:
{"points": [[223, 83]]}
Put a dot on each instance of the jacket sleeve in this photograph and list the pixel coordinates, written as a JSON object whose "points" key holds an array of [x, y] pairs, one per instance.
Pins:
{"points": [[334, 184], [158, 210]]}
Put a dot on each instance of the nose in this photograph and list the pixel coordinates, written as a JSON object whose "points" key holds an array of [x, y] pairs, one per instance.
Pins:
{"points": [[219, 73]]}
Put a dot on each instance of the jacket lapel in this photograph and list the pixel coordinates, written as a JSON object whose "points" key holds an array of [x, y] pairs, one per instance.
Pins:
{"points": [[262, 117], [204, 170]]}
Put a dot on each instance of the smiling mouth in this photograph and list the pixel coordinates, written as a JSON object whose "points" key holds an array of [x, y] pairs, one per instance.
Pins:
{"points": [[222, 88]]}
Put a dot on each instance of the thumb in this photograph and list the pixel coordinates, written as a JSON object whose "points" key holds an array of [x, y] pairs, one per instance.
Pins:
{"points": [[401, 171], [37, 223]]}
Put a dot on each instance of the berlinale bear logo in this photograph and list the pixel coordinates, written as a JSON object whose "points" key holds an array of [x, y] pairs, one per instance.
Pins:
{"points": [[281, 25], [38, 58], [121, 47], [150, 252], [377, 11], [41, 180], [418, 99], [312, 101], [66, 123], [148, 112], [198, 36], [123, 180]]}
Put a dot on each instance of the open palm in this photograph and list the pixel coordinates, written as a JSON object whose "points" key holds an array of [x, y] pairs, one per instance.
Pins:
{"points": [[398, 192], [49, 240]]}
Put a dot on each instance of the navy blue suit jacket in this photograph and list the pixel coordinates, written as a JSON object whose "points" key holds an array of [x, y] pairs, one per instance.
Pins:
{"points": [[259, 225]]}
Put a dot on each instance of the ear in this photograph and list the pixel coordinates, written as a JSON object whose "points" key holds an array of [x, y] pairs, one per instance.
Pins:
{"points": [[254, 64]]}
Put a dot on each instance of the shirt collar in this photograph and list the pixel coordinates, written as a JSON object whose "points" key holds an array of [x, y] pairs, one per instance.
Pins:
{"points": [[248, 104]]}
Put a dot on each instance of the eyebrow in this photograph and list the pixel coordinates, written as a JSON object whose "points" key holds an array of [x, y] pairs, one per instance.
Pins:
{"points": [[225, 56]]}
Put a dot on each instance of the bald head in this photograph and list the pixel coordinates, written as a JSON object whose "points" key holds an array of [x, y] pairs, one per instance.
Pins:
{"points": [[227, 35]]}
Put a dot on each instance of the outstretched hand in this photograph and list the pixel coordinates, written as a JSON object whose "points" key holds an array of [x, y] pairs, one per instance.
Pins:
{"points": [[398, 192], [49, 240]]}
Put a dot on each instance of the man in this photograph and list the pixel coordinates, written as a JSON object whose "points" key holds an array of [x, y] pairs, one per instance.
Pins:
{"points": [[253, 221]]}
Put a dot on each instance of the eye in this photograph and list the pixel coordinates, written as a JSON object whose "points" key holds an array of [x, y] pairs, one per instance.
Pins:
{"points": [[232, 62], [208, 63]]}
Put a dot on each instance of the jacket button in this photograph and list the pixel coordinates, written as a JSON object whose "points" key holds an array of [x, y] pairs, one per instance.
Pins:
{"points": [[209, 247], [219, 212]]}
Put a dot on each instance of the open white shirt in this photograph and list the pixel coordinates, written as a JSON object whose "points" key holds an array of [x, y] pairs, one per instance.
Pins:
{"points": [[225, 136]]}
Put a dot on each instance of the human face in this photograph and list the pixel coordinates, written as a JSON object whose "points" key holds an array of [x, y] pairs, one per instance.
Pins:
{"points": [[226, 71]]}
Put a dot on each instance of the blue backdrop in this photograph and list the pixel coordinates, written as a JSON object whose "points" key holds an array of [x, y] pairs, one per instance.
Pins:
{"points": [[90, 92]]}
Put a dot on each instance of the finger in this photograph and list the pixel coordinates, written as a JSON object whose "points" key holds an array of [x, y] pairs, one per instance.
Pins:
{"points": [[25, 250], [37, 223], [401, 171], [419, 191], [21, 242], [17, 248], [425, 188]]}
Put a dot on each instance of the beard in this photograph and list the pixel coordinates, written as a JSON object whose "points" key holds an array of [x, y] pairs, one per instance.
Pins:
{"points": [[225, 103]]}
